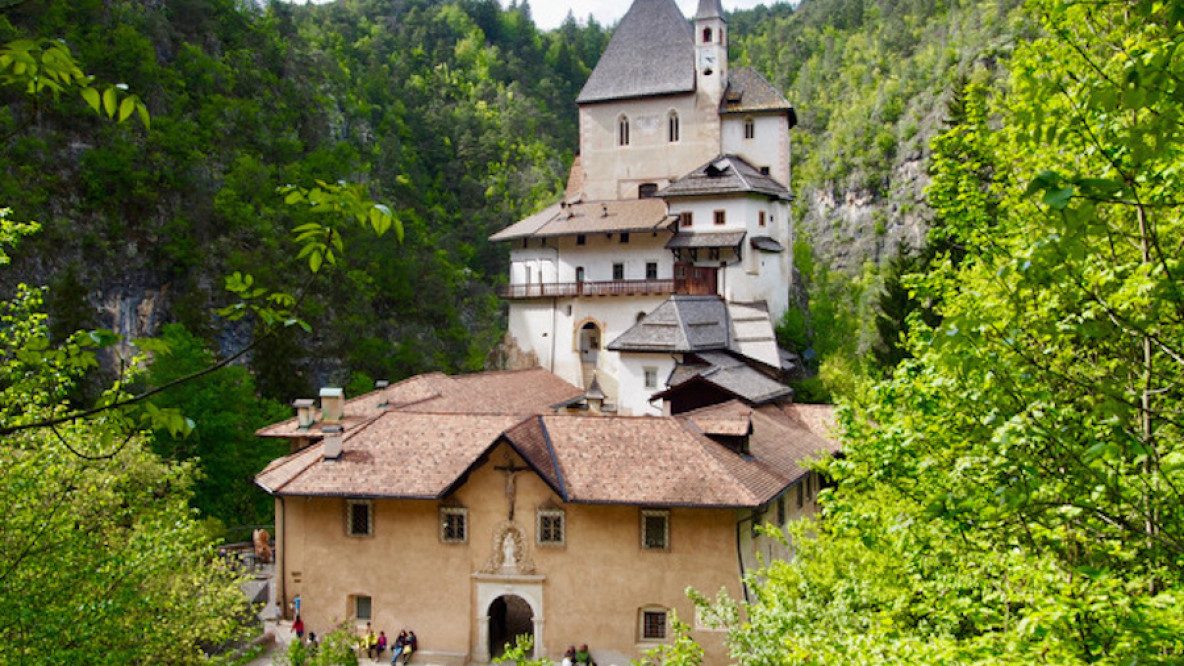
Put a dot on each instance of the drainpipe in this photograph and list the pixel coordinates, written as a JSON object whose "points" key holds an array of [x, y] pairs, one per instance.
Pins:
{"points": [[740, 557], [281, 561]]}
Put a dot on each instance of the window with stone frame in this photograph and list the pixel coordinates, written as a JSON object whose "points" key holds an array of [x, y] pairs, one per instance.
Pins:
{"points": [[749, 128], [359, 518], [655, 529], [623, 131], [454, 524], [651, 377], [651, 270], [361, 607], [551, 529], [618, 271], [653, 624], [721, 217], [672, 129]]}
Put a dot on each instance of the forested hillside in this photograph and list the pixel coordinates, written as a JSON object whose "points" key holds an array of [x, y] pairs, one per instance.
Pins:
{"points": [[459, 116]]}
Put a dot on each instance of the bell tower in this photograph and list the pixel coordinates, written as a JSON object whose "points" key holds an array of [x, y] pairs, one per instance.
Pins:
{"points": [[711, 49]]}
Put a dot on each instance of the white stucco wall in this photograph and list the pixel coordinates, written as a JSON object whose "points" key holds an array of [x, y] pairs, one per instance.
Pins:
{"points": [[634, 393], [769, 146]]}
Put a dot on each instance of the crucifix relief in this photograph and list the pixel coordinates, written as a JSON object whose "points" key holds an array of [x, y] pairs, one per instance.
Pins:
{"points": [[511, 471]]}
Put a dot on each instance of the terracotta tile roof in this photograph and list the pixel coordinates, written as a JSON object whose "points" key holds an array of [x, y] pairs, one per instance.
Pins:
{"points": [[652, 52], [521, 392], [648, 462], [749, 92], [562, 219], [426, 447], [399, 454], [726, 174], [817, 419]]}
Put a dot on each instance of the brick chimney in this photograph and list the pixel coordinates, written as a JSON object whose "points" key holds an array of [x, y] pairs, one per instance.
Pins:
{"points": [[304, 412], [332, 405], [332, 442]]}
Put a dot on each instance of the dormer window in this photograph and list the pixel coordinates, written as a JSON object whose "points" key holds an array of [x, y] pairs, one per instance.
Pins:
{"points": [[672, 129], [706, 35], [623, 131]]}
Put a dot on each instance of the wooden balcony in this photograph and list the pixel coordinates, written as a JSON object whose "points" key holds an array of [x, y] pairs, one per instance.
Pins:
{"points": [[572, 289]]}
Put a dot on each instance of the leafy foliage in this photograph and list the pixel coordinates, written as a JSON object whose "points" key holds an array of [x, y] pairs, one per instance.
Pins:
{"points": [[1010, 494]]}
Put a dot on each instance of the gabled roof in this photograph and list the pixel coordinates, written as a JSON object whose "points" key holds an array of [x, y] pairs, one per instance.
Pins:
{"points": [[563, 219], [519, 392], [412, 452], [682, 323], [729, 374], [652, 52], [749, 92], [726, 174]]}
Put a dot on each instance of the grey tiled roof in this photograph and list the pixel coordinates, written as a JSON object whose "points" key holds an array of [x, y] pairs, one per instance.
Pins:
{"points": [[591, 217], [681, 324], [699, 239], [652, 52], [749, 92], [767, 243], [731, 375], [726, 174]]}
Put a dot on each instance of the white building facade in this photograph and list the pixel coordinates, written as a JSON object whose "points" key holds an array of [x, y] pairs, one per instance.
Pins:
{"points": [[681, 187]]}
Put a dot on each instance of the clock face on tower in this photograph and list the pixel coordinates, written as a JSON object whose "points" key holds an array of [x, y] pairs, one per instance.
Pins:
{"points": [[707, 62]]}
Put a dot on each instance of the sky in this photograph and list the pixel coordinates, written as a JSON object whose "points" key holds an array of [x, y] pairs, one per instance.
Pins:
{"points": [[549, 14]]}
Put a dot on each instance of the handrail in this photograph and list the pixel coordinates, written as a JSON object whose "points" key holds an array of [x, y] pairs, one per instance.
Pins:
{"points": [[566, 289]]}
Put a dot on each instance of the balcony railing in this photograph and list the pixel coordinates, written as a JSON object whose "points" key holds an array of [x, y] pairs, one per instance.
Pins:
{"points": [[569, 289]]}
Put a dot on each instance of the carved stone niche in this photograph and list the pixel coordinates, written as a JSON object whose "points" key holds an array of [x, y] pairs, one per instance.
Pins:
{"points": [[509, 553]]}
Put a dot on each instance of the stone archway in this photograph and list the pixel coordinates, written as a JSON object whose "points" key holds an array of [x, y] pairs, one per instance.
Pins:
{"points": [[526, 588], [510, 616]]}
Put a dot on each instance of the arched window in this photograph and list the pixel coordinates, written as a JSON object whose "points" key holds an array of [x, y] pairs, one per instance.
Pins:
{"points": [[706, 35], [749, 128], [672, 129], [623, 131]]}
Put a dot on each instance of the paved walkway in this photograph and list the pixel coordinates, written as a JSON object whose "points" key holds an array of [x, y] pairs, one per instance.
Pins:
{"points": [[282, 630]]}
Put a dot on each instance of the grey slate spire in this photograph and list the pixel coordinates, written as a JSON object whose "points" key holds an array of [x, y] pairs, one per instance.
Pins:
{"points": [[652, 52], [709, 9]]}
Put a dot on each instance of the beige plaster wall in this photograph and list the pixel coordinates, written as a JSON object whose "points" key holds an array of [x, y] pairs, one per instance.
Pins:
{"points": [[614, 172], [594, 586]]}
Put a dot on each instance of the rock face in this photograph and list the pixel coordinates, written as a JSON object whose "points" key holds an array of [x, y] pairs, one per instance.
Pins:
{"points": [[848, 226]]}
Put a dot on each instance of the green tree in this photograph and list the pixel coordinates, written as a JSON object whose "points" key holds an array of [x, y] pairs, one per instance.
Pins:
{"points": [[1011, 494], [225, 411]]}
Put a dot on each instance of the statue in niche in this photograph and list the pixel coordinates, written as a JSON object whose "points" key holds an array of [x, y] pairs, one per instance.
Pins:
{"points": [[509, 553]]}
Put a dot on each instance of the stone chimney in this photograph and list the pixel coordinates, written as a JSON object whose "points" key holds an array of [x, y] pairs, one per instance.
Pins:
{"points": [[332, 405], [304, 412], [332, 442]]}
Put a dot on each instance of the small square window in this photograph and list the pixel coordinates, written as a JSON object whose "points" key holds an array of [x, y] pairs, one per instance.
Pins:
{"points": [[454, 524], [358, 518], [651, 378], [653, 625], [685, 219], [581, 239], [764, 171], [618, 271], [655, 530], [720, 217], [651, 270], [551, 527], [361, 607], [624, 238]]}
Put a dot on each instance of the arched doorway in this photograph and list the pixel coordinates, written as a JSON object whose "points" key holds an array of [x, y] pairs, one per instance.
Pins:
{"points": [[589, 342], [510, 616]]}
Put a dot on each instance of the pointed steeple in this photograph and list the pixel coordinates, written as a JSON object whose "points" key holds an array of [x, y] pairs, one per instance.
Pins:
{"points": [[709, 9]]}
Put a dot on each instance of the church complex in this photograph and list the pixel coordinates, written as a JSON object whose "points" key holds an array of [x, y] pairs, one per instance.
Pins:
{"points": [[643, 429]]}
